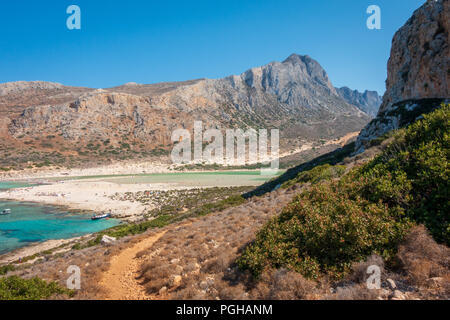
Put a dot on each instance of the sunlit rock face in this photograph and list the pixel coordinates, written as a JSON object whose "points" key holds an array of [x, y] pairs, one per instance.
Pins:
{"points": [[418, 69]]}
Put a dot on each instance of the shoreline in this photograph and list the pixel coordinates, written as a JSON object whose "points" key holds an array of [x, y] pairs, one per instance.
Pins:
{"points": [[89, 194], [36, 248], [96, 194]]}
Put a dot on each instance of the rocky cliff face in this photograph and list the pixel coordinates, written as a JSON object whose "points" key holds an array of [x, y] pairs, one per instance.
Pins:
{"points": [[16, 96], [367, 101], [295, 96], [418, 70]]}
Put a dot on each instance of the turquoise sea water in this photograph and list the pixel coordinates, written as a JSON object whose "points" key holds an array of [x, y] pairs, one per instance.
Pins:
{"points": [[30, 222], [4, 185], [186, 179]]}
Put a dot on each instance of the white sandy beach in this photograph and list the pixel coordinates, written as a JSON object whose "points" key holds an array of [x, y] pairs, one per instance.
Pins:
{"points": [[123, 167], [90, 195]]}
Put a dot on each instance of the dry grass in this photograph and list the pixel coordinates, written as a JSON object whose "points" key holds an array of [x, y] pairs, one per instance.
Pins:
{"points": [[422, 258], [200, 256], [91, 261], [284, 285], [195, 259]]}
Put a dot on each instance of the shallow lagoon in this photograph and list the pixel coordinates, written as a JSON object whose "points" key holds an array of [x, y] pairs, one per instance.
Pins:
{"points": [[186, 179], [31, 222]]}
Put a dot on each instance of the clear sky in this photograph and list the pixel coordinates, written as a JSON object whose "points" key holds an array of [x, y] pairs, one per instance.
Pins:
{"points": [[148, 41]]}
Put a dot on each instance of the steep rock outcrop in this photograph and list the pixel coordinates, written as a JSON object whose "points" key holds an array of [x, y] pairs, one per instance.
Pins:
{"points": [[418, 70]]}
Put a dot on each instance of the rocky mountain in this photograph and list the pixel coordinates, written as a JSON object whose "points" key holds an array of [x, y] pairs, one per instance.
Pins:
{"points": [[418, 70], [16, 96], [367, 101], [295, 96]]}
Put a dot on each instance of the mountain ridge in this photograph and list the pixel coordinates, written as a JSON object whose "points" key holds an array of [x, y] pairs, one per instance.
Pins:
{"points": [[367, 101], [295, 96]]}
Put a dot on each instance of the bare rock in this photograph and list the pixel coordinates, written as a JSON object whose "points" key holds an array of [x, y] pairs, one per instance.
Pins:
{"points": [[418, 71], [384, 294], [391, 284], [106, 240], [175, 280], [163, 290], [367, 101], [398, 295], [19, 86], [419, 62], [435, 283]]}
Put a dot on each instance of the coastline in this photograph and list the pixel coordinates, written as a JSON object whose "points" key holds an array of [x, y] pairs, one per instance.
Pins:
{"points": [[84, 196], [35, 248], [82, 191]]}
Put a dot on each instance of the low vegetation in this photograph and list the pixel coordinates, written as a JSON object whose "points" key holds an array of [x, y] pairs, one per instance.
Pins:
{"points": [[173, 206], [5, 269], [317, 174], [16, 288], [174, 202], [369, 210]]}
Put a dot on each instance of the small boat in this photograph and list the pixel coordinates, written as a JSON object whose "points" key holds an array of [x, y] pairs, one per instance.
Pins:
{"points": [[5, 212], [101, 216]]}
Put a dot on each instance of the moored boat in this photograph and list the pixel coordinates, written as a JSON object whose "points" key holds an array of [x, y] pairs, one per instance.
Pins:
{"points": [[5, 212], [101, 216]]}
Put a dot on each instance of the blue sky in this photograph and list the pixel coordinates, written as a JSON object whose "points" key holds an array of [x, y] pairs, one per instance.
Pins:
{"points": [[149, 41]]}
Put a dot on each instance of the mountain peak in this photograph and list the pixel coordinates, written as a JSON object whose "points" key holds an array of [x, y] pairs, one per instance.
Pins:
{"points": [[298, 58]]}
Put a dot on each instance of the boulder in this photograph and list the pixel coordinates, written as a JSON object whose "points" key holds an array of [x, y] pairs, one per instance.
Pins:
{"points": [[391, 284], [107, 240]]}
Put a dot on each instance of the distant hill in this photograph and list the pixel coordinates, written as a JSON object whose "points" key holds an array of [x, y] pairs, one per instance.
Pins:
{"points": [[136, 120], [367, 101]]}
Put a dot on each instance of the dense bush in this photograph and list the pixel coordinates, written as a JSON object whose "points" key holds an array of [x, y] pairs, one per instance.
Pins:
{"points": [[317, 174], [324, 229], [5, 269], [413, 173], [16, 288], [368, 211]]}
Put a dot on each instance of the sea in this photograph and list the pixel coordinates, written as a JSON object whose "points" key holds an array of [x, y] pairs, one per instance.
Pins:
{"points": [[32, 223]]}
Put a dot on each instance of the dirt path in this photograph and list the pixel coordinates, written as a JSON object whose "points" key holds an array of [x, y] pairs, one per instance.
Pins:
{"points": [[343, 141], [120, 281]]}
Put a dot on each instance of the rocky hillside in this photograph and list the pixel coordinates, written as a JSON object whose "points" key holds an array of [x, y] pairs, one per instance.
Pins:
{"points": [[367, 101], [16, 96], [418, 70], [295, 96]]}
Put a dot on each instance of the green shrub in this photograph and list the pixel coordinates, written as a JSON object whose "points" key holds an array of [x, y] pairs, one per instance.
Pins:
{"points": [[138, 228], [413, 173], [220, 205], [369, 210], [5, 269], [324, 230], [317, 174], [16, 288]]}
